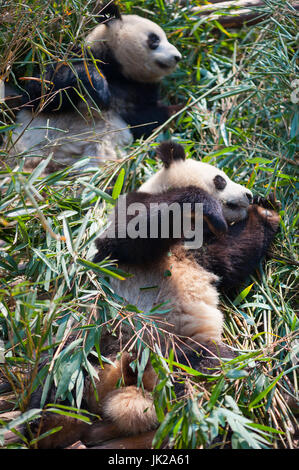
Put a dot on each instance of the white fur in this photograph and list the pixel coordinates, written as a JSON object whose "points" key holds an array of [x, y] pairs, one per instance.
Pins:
{"points": [[189, 292], [71, 137], [131, 409], [182, 173]]}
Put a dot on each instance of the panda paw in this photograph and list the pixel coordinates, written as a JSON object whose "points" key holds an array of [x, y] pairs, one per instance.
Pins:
{"points": [[105, 248], [269, 202]]}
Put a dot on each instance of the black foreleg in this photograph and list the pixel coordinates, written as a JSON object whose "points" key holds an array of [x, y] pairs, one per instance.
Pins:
{"points": [[154, 210], [239, 252], [62, 84]]}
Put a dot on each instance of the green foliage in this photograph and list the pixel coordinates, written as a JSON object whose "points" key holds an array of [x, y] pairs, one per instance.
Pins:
{"points": [[236, 88]]}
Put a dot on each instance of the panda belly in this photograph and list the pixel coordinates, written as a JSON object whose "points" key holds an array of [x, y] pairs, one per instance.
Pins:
{"points": [[142, 289], [70, 137], [188, 291]]}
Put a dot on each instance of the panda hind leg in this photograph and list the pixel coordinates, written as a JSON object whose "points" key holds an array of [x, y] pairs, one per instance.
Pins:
{"points": [[131, 410], [65, 431]]}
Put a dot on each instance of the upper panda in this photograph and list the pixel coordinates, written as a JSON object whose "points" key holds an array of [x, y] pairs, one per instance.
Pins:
{"points": [[125, 58]]}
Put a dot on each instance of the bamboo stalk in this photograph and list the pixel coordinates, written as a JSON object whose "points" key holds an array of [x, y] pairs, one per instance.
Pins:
{"points": [[237, 12]]}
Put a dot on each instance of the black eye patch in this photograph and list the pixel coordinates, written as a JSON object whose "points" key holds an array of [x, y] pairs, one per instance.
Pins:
{"points": [[153, 41], [219, 182]]}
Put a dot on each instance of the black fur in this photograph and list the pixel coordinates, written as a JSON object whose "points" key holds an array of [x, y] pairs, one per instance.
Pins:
{"points": [[145, 250], [59, 90], [108, 12], [240, 250], [169, 152], [153, 41], [219, 182], [143, 108]]}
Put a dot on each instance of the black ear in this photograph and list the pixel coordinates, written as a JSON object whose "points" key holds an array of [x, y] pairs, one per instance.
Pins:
{"points": [[108, 11], [169, 152]]}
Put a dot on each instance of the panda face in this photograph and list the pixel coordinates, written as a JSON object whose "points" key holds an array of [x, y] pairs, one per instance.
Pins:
{"points": [[181, 173], [139, 46]]}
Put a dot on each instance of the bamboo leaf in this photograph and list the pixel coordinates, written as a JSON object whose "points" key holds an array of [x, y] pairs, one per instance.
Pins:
{"points": [[118, 184], [97, 268], [265, 392]]}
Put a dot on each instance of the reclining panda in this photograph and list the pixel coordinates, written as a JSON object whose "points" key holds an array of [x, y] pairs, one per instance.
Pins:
{"points": [[125, 58], [237, 235]]}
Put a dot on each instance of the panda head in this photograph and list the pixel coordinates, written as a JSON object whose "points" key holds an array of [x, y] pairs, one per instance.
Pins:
{"points": [[137, 44], [179, 172]]}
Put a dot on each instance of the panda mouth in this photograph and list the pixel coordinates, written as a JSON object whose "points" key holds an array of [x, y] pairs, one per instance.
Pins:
{"points": [[235, 206], [240, 204], [232, 206], [162, 65]]}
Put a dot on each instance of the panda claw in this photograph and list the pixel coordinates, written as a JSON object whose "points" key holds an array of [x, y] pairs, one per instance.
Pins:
{"points": [[269, 202], [276, 204]]}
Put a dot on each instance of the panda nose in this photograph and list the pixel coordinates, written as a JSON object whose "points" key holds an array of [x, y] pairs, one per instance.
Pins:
{"points": [[177, 58]]}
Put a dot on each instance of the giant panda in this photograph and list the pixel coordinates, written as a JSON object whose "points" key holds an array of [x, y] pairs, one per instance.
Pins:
{"points": [[237, 235], [125, 58], [238, 230]]}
